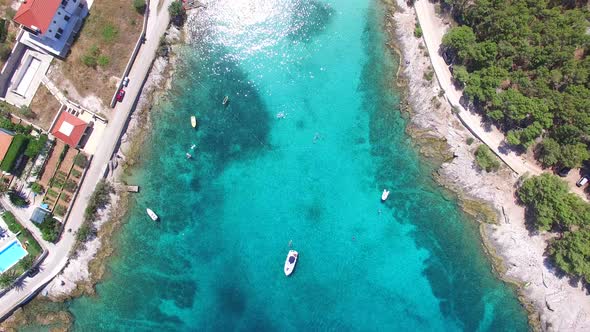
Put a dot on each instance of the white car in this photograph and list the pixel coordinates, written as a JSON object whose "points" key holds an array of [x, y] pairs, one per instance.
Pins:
{"points": [[582, 181], [126, 81]]}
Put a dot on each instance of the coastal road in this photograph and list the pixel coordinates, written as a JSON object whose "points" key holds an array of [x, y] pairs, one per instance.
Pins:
{"points": [[433, 29], [59, 253]]}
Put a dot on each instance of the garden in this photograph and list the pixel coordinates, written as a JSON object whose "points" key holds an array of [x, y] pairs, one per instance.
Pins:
{"points": [[29, 243]]}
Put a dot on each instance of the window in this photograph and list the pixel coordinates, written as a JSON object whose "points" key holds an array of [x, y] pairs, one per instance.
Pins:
{"points": [[60, 30], [57, 36], [67, 18]]}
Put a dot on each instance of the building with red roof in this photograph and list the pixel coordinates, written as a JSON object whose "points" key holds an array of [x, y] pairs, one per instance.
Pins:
{"points": [[36, 15], [51, 24], [69, 129]]}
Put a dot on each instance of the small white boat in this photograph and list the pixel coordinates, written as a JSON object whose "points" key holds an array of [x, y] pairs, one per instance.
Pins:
{"points": [[152, 214], [225, 100], [290, 262], [188, 156], [281, 115], [194, 121], [384, 195], [193, 146]]}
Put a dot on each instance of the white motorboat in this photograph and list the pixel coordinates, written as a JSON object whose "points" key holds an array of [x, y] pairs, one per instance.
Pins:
{"points": [[194, 121], [188, 156], [290, 262], [225, 100], [152, 214], [385, 194], [281, 115]]}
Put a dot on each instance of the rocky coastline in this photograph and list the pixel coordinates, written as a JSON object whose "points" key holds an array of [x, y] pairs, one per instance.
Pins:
{"points": [[554, 302]]}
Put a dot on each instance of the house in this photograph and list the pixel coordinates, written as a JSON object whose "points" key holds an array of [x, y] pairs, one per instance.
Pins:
{"points": [[51, 25], [69, 129], [5, 141]]}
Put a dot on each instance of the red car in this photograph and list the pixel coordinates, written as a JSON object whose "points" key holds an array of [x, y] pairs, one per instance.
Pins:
{"points": [[120, 95]]}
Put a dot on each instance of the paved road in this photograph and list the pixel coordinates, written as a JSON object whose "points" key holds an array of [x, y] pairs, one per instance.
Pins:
{"points": [[433, 31], [58, 254]]}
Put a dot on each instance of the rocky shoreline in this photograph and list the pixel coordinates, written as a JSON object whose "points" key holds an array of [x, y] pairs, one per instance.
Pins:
{"points": [[87, 267], [554, 302]]}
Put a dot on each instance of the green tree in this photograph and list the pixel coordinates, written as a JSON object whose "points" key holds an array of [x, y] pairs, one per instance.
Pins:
{"points": [[36, 188], [461, 74], [177, 12], [461, 40], [139, 6], [548, 152], [571, 253], [550, 203], [572, 155]]}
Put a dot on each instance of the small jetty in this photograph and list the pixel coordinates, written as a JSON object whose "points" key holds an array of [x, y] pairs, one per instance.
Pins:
{"points": [[132, 189]]}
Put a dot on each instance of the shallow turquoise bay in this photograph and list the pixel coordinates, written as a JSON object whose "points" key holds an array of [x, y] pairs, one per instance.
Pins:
{"points": [[314, 178]]}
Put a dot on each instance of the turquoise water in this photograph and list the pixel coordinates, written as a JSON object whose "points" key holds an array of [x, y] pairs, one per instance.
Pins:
{"points": [[313, 179], [10, 255]]}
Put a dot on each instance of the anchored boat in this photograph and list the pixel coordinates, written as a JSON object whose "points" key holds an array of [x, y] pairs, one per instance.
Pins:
{"points": [[152, 214], [384, 195], [194, 121], [290, 262], [225, 100]]}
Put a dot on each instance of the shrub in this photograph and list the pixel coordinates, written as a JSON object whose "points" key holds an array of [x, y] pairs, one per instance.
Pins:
{"points": [[60, 210], [10, 13], [62, 155], [17, 199], [90, 58], [80, 160], [571, 254], [486, 159], [418, 31], [36, 188], [26, 112], [77, 174], [177, 12], [109, 33], [27, 262], [103, 60], [99, 199], [18, 145], [13, 225], [469, 140], [429, 75], [5, 51], [51, 193], [85, 232], [49, 228], [35, 146], [70, 186], [7, 278], [139, 6]]}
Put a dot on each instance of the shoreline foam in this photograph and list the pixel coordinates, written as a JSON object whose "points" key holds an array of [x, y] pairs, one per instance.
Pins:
{"points": [[517, 257]]}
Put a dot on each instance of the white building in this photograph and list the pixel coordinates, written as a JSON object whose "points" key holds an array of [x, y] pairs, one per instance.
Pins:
{"points": [[51, 25]]}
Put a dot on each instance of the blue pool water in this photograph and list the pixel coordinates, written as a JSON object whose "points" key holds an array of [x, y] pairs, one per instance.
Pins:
{"points": [[256, 183], [11, 254]]}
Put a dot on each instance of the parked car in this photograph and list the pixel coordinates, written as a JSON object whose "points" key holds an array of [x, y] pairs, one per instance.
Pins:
{"points": [[120, 95], [582, 181], [563, 172], [126, 81]]}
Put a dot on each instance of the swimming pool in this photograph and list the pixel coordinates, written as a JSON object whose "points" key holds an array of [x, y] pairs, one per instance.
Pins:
{"points": [[11, 254]]}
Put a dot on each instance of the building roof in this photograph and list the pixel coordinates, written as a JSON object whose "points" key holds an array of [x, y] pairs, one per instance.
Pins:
{"points": [[5, 140], [69, 129], [39, 215], [37, 14]]}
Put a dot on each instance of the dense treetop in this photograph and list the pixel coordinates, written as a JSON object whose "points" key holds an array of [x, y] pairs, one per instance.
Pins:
{"points": [[525, 64]]}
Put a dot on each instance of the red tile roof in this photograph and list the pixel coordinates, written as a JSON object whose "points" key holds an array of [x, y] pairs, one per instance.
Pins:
{"points": [[69, 129], [37, 13], [5, 140]]}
